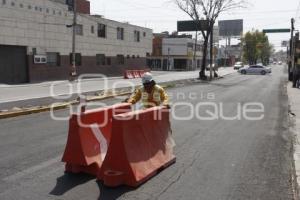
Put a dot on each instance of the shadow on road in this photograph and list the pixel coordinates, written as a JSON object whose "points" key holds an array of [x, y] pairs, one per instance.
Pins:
{"points": [[112, 193], [69, 181]]}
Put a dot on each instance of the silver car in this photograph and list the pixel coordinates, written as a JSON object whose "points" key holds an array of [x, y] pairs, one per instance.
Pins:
{"points": [[255, 69]]}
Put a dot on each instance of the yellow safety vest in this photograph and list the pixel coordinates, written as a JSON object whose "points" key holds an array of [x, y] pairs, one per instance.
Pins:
{"points": [[157, 97]]}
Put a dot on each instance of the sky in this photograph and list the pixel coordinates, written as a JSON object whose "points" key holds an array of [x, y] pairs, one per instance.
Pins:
{"points": [[162, 15]]}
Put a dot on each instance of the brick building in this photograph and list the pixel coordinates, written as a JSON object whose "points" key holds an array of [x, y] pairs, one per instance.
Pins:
{"points": [[36, 44]]}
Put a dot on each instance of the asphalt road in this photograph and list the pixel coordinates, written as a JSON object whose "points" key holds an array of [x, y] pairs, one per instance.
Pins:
{"points": [[216, 160]]}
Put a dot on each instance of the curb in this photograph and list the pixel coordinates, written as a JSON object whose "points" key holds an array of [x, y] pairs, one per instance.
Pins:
{"points": [[294, 129], [60, 106]]}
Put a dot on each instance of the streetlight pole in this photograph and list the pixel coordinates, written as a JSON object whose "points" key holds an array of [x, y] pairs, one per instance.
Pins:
{"points": [[73, 71]]}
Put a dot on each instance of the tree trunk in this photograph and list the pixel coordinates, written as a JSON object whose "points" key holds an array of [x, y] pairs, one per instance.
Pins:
{"points": [[203, 65]]}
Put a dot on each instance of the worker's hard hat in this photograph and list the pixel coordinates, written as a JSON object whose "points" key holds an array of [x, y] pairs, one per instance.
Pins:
{"points": [[147, 78]]}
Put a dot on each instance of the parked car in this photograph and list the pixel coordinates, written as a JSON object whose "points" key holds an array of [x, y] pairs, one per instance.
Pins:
{"points": [[255, 69], [238, 65], [279, 63]]}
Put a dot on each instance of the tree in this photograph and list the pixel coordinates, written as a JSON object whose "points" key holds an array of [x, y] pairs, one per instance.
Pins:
{"points": [[210, 11], [256, 46]]}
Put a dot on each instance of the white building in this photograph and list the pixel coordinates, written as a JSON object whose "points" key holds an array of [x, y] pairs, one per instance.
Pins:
{"points": [[37, 29], [175, 53]]}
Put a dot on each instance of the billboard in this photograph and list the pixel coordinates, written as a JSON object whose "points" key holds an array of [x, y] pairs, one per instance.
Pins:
{"points": [[231, 28], [185, 26]]}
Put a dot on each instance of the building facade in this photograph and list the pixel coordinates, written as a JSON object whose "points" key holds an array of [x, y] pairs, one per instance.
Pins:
{"points": [[36, 42], [175, 52]]}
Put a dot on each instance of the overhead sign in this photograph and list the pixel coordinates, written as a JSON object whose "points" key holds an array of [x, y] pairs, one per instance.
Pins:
{"points": [[186, 26], [231, 28], [283, 30]]}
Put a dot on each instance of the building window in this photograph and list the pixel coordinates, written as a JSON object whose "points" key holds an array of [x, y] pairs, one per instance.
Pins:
{"points": [[29, 7], [3, 2], [92, 29], [133, 56], [138, 56], [120, 33], [47, 10], [128, 56], [53, 12], [79, 29], [120, 59], [53, 59], [144, 34], [108, 61], [12, 3], [21, 5], [100, 59], [36, 8], [41, 9], [136, 36], [59, 12], [102, 30], [77, 59]]}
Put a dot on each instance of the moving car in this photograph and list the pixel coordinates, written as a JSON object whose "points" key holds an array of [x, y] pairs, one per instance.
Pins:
{"points": [[255, 69], [238, 65]]}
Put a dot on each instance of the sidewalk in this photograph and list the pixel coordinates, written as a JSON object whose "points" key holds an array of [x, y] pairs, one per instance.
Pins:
{"points": [[294, 101], [35, 94]]}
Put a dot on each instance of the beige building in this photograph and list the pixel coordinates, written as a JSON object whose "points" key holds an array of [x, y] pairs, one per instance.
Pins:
{"points": [[35, 42]]}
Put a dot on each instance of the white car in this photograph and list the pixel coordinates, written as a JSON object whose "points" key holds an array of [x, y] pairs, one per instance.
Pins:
{"points": [[255, 69], [238, 65]]}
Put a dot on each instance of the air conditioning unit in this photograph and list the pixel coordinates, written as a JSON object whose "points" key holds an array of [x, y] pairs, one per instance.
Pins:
{"points": [[40, 59]]}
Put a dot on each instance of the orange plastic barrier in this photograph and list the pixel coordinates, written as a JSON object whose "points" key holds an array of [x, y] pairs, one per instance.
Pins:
{"points": [[140, 146], [129, 74], [141, 73], [89, 137]]}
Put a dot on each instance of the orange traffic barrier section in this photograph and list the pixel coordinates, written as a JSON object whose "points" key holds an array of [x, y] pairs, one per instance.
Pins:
{"points": [[140, 146], [130, 74], [89, 137]]}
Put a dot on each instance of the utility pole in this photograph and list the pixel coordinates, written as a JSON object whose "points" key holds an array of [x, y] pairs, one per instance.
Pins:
{"points": [[73, 71], [195, 52], [211, 49], [168, 64]]}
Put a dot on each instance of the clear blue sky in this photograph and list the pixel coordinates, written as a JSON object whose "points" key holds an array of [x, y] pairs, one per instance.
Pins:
{"points": [[162, 15]]}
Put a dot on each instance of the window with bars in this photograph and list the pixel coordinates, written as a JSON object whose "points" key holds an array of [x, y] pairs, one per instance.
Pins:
{"points": [[100, 59], [102, 30], [120, 33], [120, 59], [137, 36], [79, 29], [53, 58]]}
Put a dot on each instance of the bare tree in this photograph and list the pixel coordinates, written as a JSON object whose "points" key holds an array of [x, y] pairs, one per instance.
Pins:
{"points": [[208, 10]]}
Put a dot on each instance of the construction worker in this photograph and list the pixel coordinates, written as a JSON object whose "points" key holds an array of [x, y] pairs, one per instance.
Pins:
{"points": [[150, 94]]}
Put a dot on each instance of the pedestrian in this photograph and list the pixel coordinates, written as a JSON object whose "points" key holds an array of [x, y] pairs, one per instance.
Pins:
{"points": [[151, 94]]}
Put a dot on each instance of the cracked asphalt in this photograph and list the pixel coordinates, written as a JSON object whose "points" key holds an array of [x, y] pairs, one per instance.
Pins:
{"points": [[216, 159]]}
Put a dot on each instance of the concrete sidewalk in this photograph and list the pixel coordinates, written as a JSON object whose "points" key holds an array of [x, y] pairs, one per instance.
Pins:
{"points": [[294, 101], [42, 93]]}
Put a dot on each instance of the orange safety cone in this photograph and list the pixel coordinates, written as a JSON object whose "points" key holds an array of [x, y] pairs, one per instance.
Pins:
{"points": [[89, 137], [140, 146]]}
